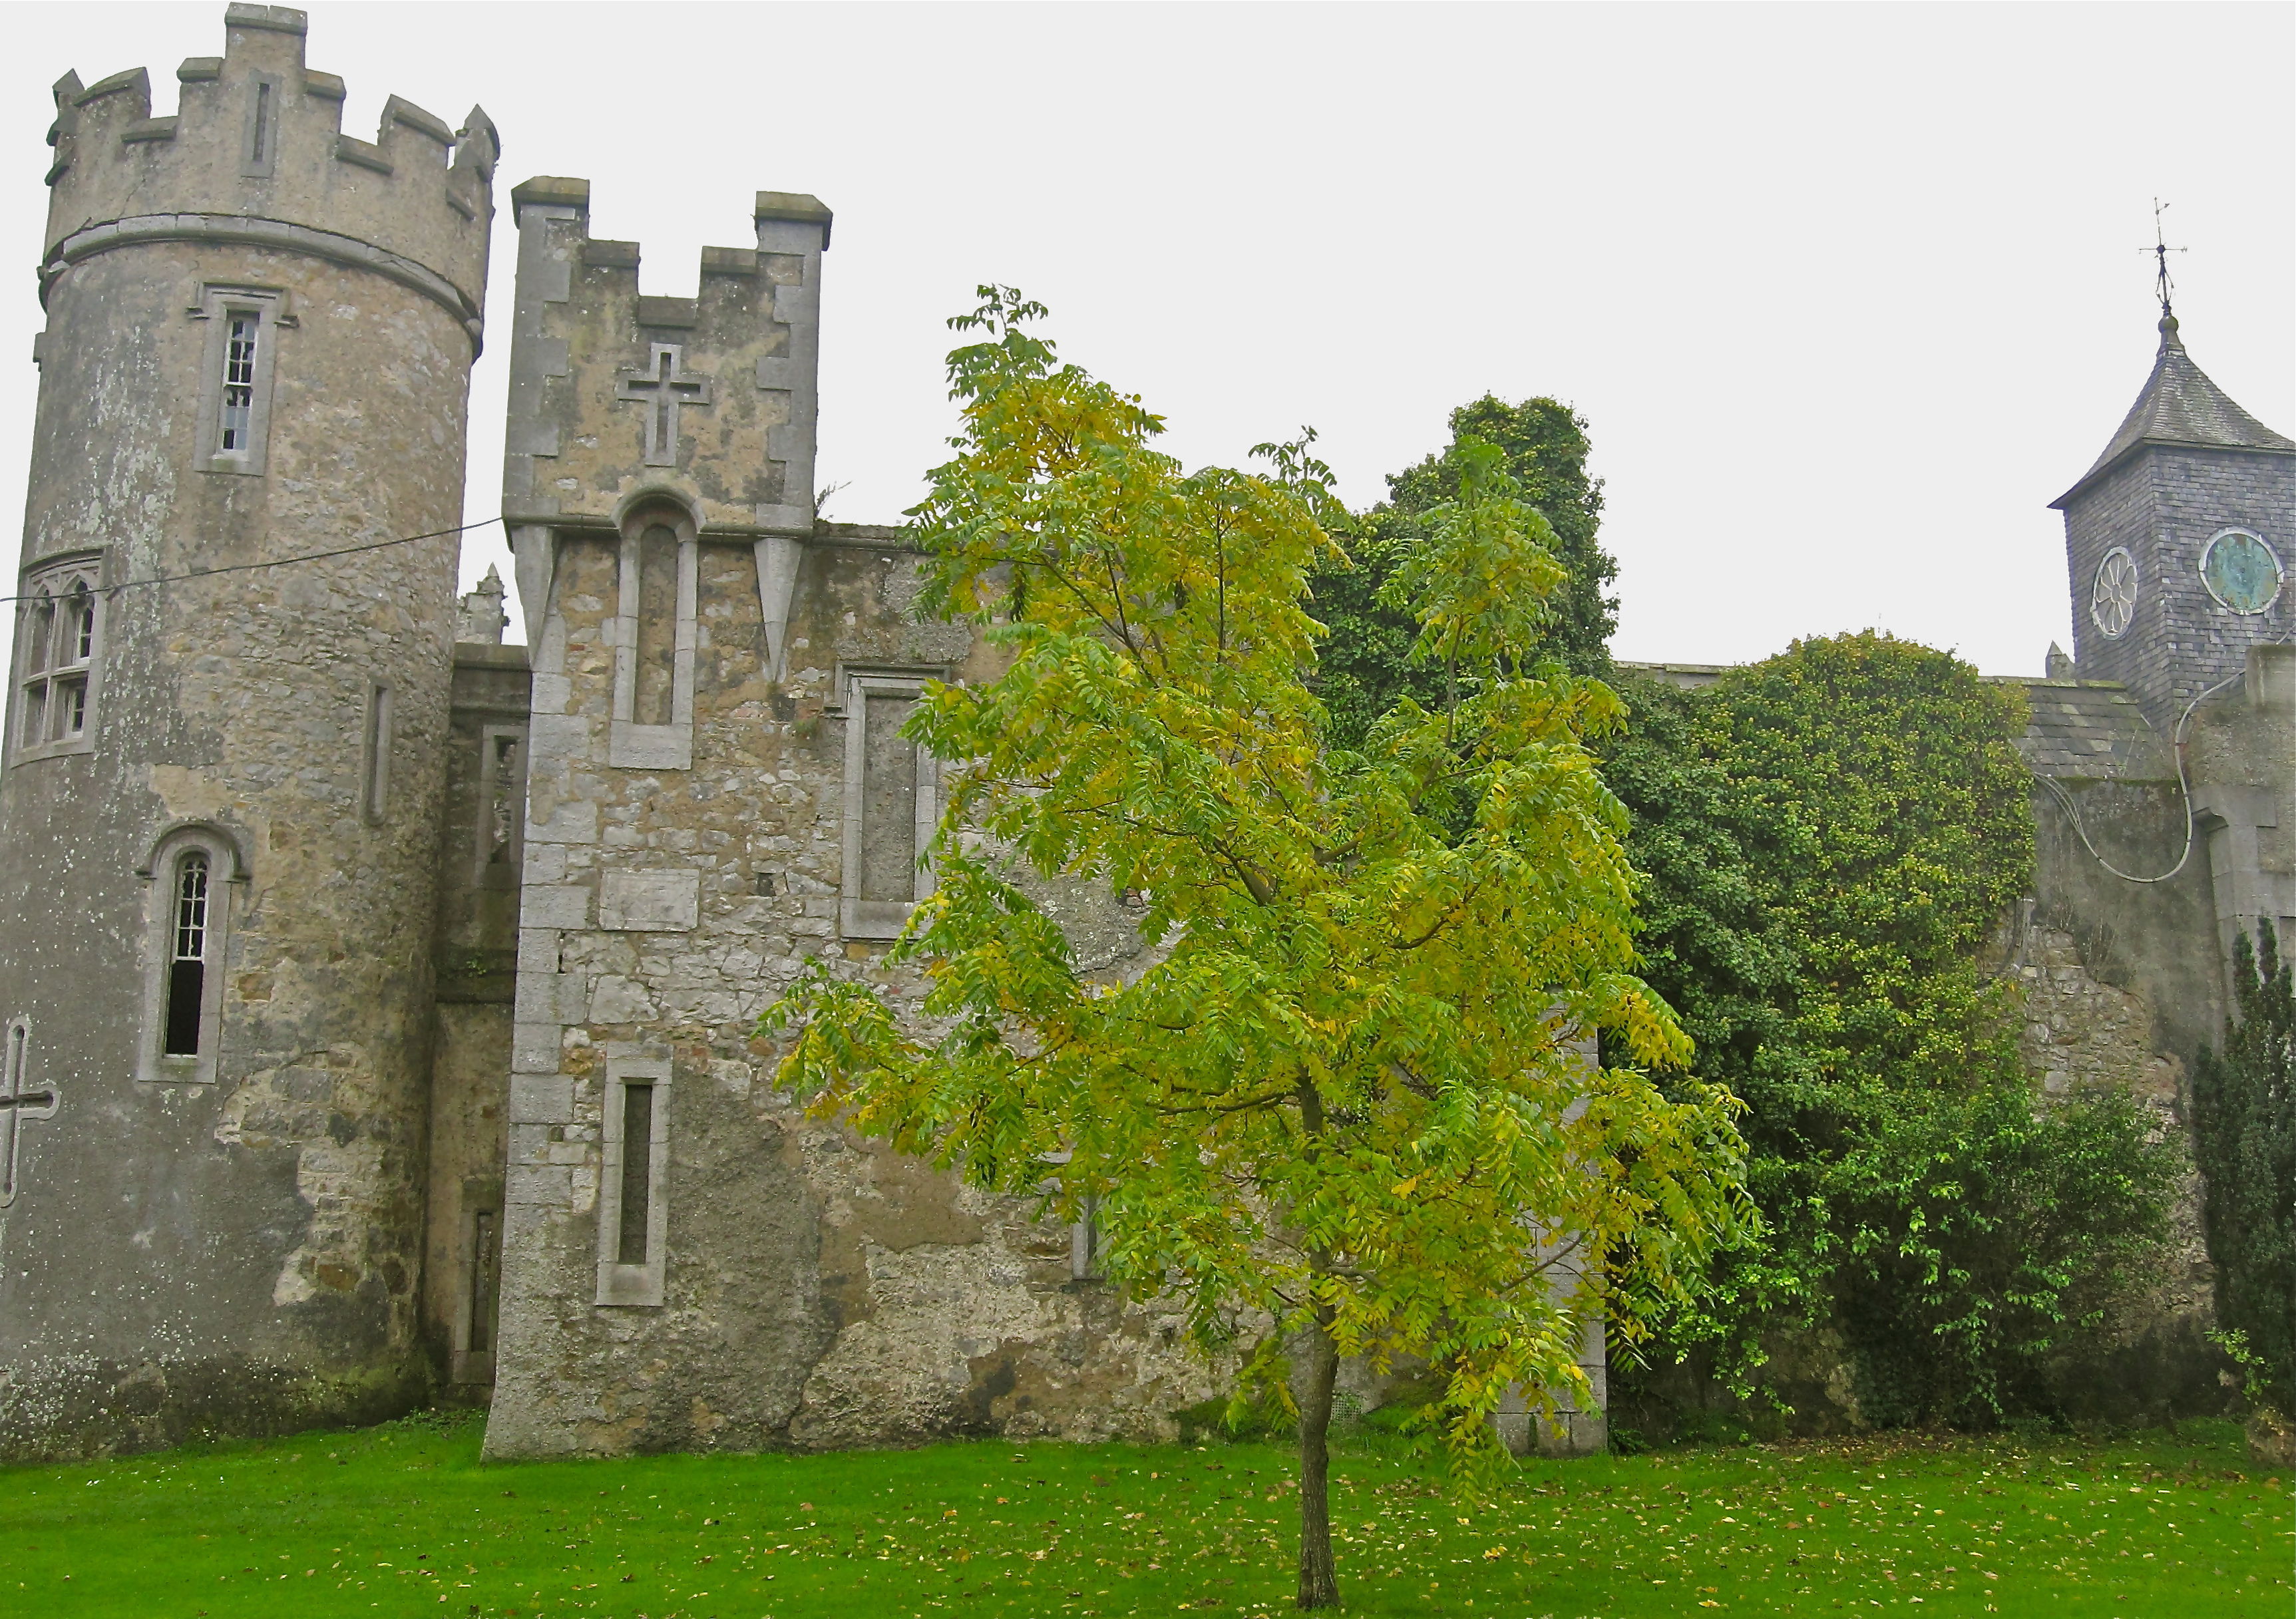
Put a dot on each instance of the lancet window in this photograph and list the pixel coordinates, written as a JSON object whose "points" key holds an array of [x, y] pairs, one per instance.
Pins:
{"points": [[191, 874]]}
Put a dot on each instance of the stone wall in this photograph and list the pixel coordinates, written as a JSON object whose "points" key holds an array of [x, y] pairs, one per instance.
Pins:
{"points": [[815, 1290]]}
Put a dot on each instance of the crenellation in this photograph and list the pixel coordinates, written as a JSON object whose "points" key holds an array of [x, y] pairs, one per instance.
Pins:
{"points": [[589, 864], [256, 143]]}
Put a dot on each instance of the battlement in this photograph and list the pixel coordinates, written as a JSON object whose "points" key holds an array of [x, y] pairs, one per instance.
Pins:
{"points": [[256, 153], [709, 399]]}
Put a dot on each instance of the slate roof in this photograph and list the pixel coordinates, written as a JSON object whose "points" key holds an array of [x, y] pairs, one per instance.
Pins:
{"points": [[2089, 728], [2180, 405]]}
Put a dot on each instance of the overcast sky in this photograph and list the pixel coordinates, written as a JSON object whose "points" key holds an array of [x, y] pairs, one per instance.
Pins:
{"points": [[1846, 294]]}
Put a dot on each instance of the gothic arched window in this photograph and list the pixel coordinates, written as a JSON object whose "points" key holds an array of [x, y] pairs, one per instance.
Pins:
{"points": [[192, 873], [58, 638]]}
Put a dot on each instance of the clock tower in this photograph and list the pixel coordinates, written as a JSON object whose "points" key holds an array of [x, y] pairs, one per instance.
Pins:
{"points": [[2178, 539]]}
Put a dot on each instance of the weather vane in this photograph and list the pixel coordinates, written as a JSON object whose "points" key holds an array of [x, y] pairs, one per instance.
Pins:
{"points": [[2160, 249]]}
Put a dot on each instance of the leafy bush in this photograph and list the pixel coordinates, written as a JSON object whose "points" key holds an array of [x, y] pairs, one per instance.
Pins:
{"points": [[1827, 840], [1830, 836]]}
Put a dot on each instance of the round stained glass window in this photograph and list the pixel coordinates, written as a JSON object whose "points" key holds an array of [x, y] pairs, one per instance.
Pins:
{"points": [[2112, 602], [2241, 572]]}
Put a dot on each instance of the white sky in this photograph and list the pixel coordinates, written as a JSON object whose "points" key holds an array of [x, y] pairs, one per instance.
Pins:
{"points": [[1847, 293]]}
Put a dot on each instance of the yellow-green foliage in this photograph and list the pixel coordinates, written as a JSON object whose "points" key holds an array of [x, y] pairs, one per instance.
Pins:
{"points": [[1350, 1099]]}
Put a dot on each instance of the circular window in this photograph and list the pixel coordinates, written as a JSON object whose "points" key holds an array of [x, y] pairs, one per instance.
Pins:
{"points": [[2112, 603], [2241, 572]]}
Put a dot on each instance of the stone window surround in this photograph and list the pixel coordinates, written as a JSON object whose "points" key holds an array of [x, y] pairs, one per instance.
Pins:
{"points": [[16, 1054], [57, 579], [374, 754], [631, 746], [218, 302], [481, 1196], [226, 872], [259, 142], [620, 1284], [855, 684]]}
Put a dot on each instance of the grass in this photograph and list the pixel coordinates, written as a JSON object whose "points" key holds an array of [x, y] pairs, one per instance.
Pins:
{"points": [[402, 1520]]}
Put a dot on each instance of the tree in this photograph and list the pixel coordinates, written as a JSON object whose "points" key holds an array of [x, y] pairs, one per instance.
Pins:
{"points": [[1366, 662], [1345, 1113], [2245, 1140]]}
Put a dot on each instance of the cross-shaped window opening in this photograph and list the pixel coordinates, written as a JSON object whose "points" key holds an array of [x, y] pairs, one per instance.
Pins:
{"points": [[663, 387], [187, 961], [239, 380], [18, 1103]]}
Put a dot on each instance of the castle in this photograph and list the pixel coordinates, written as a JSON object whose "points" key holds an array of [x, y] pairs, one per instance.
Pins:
{"points": [[379, 998]]}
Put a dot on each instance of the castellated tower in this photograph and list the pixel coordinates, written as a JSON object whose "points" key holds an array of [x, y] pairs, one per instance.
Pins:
{"points": [[220, 795], [718, 793]]}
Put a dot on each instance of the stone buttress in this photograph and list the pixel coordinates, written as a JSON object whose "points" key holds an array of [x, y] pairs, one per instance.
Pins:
{"points": [[221, 794], [717, 794]]}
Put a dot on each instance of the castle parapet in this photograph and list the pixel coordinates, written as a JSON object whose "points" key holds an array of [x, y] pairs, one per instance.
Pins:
{"points": [[256, 153], [710, 400]]}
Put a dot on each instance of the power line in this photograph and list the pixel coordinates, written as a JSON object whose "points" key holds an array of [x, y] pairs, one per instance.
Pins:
{"points": [[2183, 789], [241, 567]]}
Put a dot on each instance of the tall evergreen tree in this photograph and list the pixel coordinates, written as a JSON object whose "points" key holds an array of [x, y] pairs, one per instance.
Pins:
{"points": [[2245, 1140]]}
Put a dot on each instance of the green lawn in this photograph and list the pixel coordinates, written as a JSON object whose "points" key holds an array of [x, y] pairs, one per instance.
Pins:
{"points": [[402, 1520]]}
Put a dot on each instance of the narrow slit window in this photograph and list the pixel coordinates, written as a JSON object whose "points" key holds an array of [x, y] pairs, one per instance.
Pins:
{"points": [[374, 774], [633, 1173], [486, 1261], [239, 382], [503, 808], [187, 959], [259, 149], [632, 1242], [654, 701]]}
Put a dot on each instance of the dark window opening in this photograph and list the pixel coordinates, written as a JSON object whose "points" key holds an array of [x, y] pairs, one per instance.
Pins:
{"points": [[486, 1258], [262, 121], [502, 814], [71, 703], [375, 770], [239, 382], [638, 1175], [187, 959]]}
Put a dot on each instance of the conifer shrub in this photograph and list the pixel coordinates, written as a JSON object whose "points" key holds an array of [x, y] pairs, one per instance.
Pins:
{"points": [[2244, 1141]]}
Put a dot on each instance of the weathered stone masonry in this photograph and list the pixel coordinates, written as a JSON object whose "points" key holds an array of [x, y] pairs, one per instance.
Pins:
{"points": [[717, 793], [232, 1236], [377, 998]]}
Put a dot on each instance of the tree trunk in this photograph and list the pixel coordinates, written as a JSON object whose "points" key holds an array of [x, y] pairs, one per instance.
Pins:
{"points": [[1319, 1581]]}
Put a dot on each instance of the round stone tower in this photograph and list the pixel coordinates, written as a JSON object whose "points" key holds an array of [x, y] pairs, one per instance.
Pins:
{"points": [[219, 799]]}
